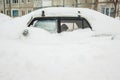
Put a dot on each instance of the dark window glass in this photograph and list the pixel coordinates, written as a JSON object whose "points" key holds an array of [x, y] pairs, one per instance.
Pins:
{"points": [[1, 11], [15, 1], [28, 0], [103, 10], [29, 11], [7, 1], [15, 13], [23, 12], [8, 12], [23, 1], [112, 12], [107, 11]]}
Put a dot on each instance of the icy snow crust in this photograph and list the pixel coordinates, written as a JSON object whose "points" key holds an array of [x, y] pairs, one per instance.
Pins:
{"points": [[78, 55]]}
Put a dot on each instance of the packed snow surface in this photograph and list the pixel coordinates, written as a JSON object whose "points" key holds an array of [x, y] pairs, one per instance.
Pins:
{"points": [[4, 18], [77, 55]]}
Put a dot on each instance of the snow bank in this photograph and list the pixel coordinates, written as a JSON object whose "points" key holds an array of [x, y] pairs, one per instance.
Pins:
{"points": [[78, 55], [88, 59], [118, 18], [4, 18], [100, 23], [12, 28]]}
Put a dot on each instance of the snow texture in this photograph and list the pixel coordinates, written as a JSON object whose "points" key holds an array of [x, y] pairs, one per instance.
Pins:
{"points": [[78, 55], [4, 18]]}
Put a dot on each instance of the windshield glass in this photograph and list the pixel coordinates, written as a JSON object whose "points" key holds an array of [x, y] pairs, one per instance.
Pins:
{"points": [[49, 25]]}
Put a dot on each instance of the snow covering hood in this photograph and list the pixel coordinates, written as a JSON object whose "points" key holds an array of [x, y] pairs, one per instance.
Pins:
{"points": [[100, 23]]}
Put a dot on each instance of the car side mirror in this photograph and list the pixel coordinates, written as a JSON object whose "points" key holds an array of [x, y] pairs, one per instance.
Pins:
{"points": [[25, 32]]}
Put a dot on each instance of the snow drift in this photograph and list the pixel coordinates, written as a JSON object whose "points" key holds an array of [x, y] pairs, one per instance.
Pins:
{"points": [[78, 55], [100, 23], [4, 18]]}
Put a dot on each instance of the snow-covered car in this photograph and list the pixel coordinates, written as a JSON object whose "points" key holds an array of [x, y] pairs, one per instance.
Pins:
{"points": [[81, 54], [60, 19]]}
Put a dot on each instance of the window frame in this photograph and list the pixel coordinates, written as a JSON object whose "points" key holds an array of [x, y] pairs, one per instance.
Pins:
{"points": [[109, 11], [7, 1], [8, 12], [29, 11], [22, 1], [14, 11], [59, 21], [23, 12], [15, 1], [47, 24]]}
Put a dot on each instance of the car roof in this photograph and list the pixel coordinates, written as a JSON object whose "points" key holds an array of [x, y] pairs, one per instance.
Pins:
{"points": [[58, 12]]}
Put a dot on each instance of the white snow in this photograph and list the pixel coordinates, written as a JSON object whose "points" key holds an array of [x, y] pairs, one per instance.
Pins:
{"points": [[118, 18], [78, 55], [4, 18]]}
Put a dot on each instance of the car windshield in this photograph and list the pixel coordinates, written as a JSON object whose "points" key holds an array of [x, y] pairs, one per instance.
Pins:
{"points": [[49, 25]]}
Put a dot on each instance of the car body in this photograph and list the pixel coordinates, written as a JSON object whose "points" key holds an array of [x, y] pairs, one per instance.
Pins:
{"points": [[61, 19]]}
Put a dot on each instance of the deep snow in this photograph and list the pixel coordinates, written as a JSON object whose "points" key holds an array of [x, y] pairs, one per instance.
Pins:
{"points": [[4, 18], [77, 55], [100, 23]]}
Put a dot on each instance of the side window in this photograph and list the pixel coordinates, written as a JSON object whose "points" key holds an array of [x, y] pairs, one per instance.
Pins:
{"points": [[86, 24], [46, 24], [70, 25], [73, 24]]}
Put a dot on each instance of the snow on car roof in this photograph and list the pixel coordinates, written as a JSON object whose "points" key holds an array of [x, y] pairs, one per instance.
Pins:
{"points": [[97, 20], [57, 12]]}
